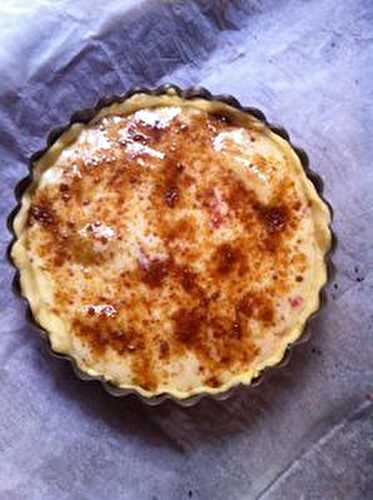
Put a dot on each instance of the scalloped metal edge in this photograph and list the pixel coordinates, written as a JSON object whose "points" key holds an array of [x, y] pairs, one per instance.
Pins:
{"points": [[84, 116]]}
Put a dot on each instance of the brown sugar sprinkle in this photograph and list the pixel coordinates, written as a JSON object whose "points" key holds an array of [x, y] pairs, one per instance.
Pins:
{"points": [[187, 279], [213, 382], [181, 229], [154, 273], [258, 306], [188, 325], [210, 309], [102, 335], [193, 330], [172, 171], [275, 218], [171, 196], [144, 374], [259, 161], [42, 213], [226, 256], [65, 191], [164, 350]]}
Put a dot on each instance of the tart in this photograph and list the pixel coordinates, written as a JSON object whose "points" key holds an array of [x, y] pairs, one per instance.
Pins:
{"points": [[173, 244]]}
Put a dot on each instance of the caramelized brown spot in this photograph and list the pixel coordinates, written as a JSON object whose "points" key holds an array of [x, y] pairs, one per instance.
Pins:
{"points": [[102, 333], [164, 350], [187, 279], [172, 170], [246, 305], [183, 228], [155, 272], [65, 192], [188, 324], [171, 196], [274, 218], [217, 341], [257, 306], [226, 257], [213, 382], [43, 214], [79, 249], [266, 313], [242, 201], [93, 332]]}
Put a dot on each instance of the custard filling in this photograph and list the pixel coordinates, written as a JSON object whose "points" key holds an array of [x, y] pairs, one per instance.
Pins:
{"points": [[172, 245]]}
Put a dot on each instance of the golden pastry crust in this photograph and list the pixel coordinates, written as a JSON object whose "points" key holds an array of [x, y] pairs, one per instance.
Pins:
{"points": [[172, 246]]}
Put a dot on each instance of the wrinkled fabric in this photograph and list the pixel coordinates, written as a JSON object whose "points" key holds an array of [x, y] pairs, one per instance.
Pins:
{"points": [[307, 431]]}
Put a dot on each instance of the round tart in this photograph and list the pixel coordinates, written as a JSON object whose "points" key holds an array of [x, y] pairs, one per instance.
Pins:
{"points": [[171, 244]]}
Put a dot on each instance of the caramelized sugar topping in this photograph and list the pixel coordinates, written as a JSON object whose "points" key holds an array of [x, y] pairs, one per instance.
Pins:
{"points": [[169, 233]]}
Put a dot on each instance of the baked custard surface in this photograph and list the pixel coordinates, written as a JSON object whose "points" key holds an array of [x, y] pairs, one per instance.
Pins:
{"points": [[172, 245]]}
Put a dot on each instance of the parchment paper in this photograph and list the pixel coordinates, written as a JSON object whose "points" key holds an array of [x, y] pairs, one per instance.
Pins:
{"points": [[308, 431]]}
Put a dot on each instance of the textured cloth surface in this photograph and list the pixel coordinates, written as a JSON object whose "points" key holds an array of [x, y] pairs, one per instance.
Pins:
{"points": [[307, 432]]}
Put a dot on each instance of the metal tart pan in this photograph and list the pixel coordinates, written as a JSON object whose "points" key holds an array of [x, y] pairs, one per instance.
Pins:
{"points": [[190, 93]]}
